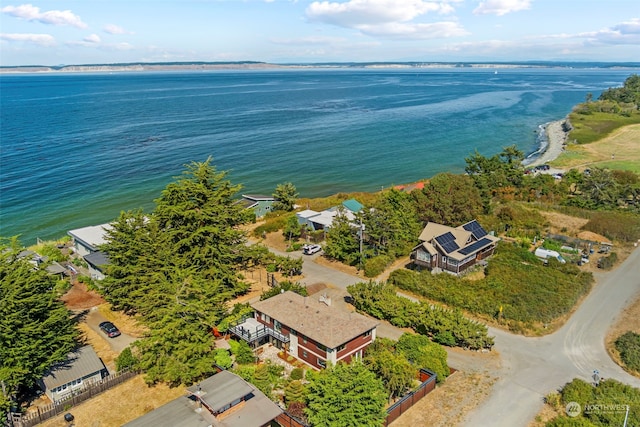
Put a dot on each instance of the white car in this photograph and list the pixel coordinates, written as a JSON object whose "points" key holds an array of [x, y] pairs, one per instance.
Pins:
{"points": [[311, 249]]}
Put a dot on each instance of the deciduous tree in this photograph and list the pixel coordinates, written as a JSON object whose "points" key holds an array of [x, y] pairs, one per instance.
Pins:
{"points": [[346, 395]]}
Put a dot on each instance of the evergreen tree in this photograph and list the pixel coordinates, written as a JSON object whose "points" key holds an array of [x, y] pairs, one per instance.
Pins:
{"points": [[392, 227], [346, 395], [133, 249], [36, 329], [294, 392], [261, 379], [200, 217], [342, 240], [285, 195]]}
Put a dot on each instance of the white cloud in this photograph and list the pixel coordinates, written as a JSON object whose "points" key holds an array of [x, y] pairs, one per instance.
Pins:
{"points": [[388, 18], [311, 40], [115, 29], [38, 39], [415, 31], [52, 17], [92, 38], [501, 7], [355, 13], [624, 33]]}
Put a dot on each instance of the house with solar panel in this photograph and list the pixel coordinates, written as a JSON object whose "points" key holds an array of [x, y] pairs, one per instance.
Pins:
{"points": [[453, 250]]}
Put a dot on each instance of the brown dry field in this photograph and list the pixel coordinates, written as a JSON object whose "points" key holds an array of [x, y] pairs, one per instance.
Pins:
{"points": [[623, 142], [119, 405], [451, 401]]}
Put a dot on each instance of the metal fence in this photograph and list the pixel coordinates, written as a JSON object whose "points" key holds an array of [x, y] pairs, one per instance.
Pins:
{"points": [[43, 413]]}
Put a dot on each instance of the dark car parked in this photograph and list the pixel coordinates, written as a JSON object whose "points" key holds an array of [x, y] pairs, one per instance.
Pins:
{"points": [[110, 329]]}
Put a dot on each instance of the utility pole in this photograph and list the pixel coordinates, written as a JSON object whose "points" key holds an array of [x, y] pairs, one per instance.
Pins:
{"points": [[361, 236]]}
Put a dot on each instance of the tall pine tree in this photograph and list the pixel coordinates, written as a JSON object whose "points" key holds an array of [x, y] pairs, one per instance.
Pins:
{"points": [[36, 329]]}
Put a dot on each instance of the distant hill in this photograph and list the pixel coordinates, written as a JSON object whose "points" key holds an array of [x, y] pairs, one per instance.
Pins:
{"points": [[243, 65]]}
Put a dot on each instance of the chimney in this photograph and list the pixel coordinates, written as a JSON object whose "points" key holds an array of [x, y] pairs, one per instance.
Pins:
{"points": [[325, 299]]}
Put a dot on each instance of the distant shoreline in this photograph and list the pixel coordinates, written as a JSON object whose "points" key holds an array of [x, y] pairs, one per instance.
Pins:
{"points": [[256, 65]]}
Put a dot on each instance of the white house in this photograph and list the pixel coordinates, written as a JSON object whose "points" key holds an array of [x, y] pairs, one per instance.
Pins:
{"points": [[81, 368], [87, 240]]}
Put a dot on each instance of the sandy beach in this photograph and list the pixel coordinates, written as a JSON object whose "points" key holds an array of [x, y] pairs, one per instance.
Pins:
{"points": [[557, 137]]}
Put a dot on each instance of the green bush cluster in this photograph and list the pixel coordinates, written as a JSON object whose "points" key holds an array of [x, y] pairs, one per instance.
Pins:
{"points": [[242, 352], [297, 374], [516, 281], [376, 265], [607, 262], [628, 345], [283, 287], [126, 360], [447, 326], [604, 405]]}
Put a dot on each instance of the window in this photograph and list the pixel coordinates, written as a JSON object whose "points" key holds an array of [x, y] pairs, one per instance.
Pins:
{"points": [[322, 363], [322, 347], [368, 333], [277, 326], [423, 256], [304, 339], [304, 354], [340, 348], [293, 332]]}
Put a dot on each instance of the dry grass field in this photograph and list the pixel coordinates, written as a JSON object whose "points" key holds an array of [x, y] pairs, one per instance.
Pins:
{"points": [[119, 405], [620, 150]]}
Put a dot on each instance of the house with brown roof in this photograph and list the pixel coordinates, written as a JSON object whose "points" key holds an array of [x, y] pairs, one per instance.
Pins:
{"points": [[454, 250], [309, 328]]}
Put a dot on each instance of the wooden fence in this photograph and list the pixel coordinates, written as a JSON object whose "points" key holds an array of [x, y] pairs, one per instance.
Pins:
{"points": [[428, 379], [45, 412], [428, 383]]}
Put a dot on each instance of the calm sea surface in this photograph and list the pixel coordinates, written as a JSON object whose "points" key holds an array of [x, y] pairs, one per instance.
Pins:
{"points": [[76, 149]]}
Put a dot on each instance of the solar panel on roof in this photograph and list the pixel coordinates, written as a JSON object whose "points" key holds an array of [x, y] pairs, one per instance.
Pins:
{"points": [[448, 242], [475, 229], [475, 246]]}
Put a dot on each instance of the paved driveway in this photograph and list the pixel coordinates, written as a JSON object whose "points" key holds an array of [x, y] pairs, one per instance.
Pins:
{"points": [[117, 344]]}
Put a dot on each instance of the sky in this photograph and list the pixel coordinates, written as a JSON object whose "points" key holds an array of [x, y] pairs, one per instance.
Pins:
{"points": [[54, 32]]}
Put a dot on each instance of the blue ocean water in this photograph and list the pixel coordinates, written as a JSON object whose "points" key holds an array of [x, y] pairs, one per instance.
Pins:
{"points": [[76, 149]]}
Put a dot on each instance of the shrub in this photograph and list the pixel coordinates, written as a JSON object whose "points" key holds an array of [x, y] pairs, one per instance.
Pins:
{"points": [[607, 262], [381, 301], [223, 358], [628, 345], [126, 360], [376, 265], [242, 352], [297, 374]]}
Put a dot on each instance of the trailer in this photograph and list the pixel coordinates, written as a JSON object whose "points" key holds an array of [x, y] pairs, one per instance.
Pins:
{"points": [[546, 254]]}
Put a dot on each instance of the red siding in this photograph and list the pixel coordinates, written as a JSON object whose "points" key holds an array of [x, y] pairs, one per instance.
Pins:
{"points": [[354, 346]]}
